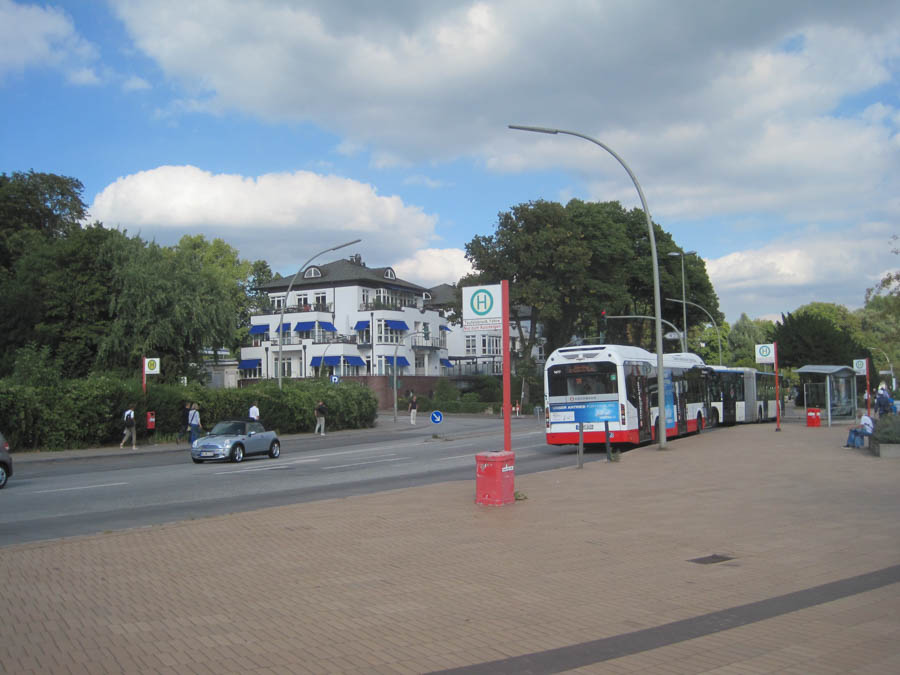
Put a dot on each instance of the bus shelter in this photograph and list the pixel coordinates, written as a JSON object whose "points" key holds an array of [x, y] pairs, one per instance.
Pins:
{"points": [[829, 388]]}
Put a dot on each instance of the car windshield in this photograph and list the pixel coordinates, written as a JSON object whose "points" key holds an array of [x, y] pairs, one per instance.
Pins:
{"points": [[228, 428]]}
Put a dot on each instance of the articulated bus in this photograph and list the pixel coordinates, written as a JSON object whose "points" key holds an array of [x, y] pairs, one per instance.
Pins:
{"points": [[739, 395], [591, 385]]}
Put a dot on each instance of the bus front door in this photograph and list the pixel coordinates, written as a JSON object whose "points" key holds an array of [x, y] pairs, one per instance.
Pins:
{"points": [[729, 405]]}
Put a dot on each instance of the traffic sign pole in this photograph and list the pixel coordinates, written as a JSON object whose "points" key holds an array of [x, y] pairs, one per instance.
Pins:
{"points": [[507, 408], [777, 390]]}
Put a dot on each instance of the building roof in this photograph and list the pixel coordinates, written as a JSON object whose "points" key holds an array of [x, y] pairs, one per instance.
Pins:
{"points": [[825, 370], [344, 273], [443, 294]]}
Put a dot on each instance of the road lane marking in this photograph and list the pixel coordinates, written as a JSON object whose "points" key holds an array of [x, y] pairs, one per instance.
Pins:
{"points": [[344, 466], [82, 487]]}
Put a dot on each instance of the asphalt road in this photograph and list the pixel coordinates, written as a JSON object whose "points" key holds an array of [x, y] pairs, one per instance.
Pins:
{"points": [[62, 498]]}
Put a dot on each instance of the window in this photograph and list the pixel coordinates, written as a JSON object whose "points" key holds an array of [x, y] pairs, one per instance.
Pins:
{"points": [[302, 300], [279, 301], [389, 274], [388, 335], [319, 299], [365, 296], [490, 344], [471, 345], [426, 332], [420, 361], [582, 379], [312, 273], [286, 367], [255, 427]]}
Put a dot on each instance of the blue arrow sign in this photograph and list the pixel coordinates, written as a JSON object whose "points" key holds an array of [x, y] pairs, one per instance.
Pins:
{"points": [[437, 417]]}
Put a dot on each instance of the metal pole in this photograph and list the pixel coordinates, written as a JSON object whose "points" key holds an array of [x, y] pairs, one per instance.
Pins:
{"points": [[580, 445], [660, 379], [718, 337], [683, 307], [284, 305]]}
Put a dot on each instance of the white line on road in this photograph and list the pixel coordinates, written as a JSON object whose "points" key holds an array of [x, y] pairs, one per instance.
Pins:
{"points": [[82, 487], [344, 466]]}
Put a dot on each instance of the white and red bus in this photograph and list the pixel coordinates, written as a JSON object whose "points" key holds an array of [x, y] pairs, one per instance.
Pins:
{"points": [[740, 395], [592, 385]]}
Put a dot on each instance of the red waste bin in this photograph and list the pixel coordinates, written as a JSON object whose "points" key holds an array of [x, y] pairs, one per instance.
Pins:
{"points": [[813, 417], [151, 419], [495, 478]]}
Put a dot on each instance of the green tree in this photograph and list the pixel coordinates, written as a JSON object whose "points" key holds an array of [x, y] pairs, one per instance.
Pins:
{"points": [[812, 339], [743, 337]]}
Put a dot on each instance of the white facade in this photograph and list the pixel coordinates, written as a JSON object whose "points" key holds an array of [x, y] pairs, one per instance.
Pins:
{"points": [[480, 352], [328, 320]]}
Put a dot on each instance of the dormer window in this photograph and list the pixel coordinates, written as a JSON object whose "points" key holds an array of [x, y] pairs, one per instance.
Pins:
{"points": [[389, 274], [312, 273]]}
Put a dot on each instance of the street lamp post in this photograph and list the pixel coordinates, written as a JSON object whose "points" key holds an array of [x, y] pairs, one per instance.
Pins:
{"points": [[694, 304], [660, 378], [394, 367], [683, 297], [284, 304], [890, 367]]}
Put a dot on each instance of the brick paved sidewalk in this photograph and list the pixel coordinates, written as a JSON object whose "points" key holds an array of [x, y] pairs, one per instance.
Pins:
{"points": [[590, 572]]}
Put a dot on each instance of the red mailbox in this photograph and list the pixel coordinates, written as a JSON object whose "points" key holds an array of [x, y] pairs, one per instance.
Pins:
{"points": [[813, 417], [495, 478], [151, 419]]}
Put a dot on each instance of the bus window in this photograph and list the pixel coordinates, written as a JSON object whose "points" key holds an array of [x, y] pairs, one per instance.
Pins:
{"points": [[582, 379]]}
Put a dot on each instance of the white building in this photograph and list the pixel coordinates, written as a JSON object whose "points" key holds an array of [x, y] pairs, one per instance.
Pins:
{"points": [[349, 320]]}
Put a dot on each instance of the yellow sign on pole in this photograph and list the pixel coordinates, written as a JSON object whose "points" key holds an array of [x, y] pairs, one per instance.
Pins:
{"points": [[151, 366]]}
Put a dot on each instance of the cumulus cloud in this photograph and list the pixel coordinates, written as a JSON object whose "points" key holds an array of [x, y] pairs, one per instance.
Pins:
{"points": [[33, 36], [432, 266], [802, 267], [277, 217]]}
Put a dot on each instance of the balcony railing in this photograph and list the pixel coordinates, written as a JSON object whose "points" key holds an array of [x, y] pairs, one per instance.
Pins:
{"points": [[379, 305], [294, 309], [428, 343]]}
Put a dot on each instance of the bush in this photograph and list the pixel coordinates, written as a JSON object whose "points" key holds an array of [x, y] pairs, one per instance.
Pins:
{"points": [[887, 429], [88, 412]]}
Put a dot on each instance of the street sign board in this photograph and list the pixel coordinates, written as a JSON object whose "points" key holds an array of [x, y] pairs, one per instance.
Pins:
{"points": [[482, 308], [765, 353], [859, 366], [437, 417]]}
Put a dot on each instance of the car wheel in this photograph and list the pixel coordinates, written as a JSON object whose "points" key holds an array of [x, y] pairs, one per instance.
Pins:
{"points": [[196, 461], [275, 449], [4, 475], [237, 453]]}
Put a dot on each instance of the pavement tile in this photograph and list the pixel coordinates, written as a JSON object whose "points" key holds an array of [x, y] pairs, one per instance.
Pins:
{"points": [[416, 580]]}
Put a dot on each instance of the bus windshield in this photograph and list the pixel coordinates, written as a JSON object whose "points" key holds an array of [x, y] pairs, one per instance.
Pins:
{"points": [[582, 379]]}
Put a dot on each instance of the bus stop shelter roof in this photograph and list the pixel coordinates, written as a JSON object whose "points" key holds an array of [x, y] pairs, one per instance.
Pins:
{"points": [[825, 370]]}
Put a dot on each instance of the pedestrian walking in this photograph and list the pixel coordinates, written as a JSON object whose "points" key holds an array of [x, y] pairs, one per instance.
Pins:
{"points": [[254, 412], [320, 412], [194, 422], [883, 403], [130, 430], [413, 406], [185, 428]]}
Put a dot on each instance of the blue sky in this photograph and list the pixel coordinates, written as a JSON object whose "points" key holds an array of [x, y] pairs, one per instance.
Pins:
{"points": [[764, 134]]}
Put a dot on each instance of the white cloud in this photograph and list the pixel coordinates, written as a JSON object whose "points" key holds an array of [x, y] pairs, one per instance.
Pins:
{"points": [[33, 36], [135, 83], [433, 266], [799, 268], [277, 217]]}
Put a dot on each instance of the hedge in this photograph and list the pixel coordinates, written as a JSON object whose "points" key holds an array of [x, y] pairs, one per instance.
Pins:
{"points": [[88, 412]]}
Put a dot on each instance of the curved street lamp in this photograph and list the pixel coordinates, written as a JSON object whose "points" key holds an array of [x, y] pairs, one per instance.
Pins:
{"points": [[284, 306], [718, 337], [683, 296], [660, 379]]}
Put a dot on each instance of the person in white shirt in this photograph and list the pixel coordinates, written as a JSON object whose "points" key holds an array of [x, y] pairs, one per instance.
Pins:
{"points": [[254, 412], [858, 433], [130, 430]]}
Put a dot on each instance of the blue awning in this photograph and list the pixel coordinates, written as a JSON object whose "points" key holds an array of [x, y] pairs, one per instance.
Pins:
{"points": [[446, 328], [329, 361], [354, 361], [249, 364], [286, 327], [361, 325], [326, 326], [258, 330], [447, 362], [396, 325], [401, 360], [303, 326]]}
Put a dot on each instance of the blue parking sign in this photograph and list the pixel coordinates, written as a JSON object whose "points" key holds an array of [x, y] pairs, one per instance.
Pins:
{"points": [[437, 417]]}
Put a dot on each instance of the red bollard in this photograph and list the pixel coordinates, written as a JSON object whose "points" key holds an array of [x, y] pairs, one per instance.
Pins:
{"points": [[495, 478]]}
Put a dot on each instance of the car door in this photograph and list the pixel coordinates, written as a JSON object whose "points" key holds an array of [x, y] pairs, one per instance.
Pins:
{"points": [[256, 441]]}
